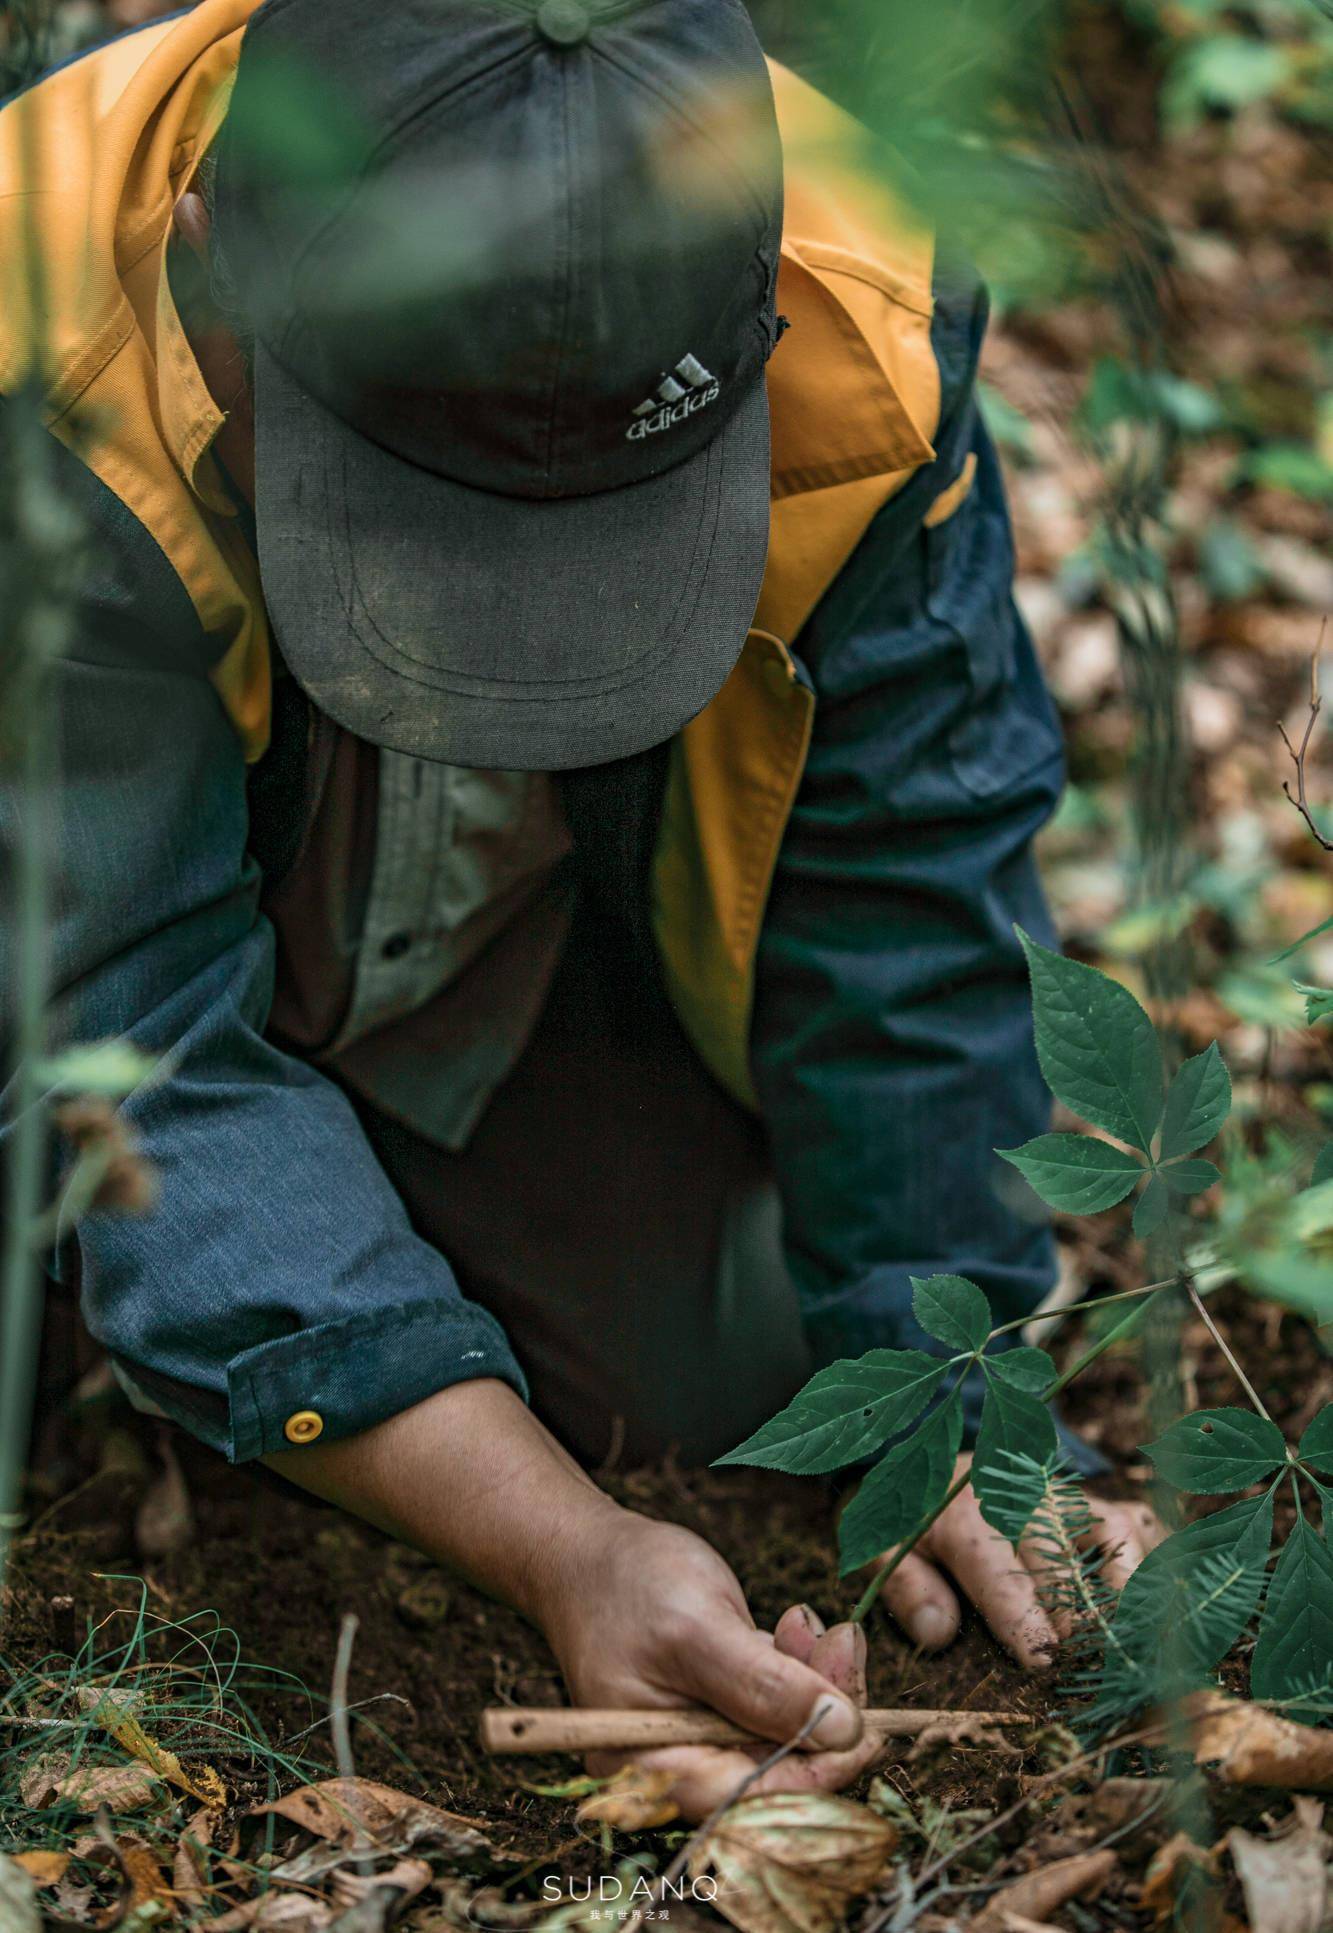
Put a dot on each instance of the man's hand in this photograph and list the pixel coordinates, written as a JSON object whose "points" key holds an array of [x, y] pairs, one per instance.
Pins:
{"points": [[638, 1613], [652, 1616], [1005, 1584]]}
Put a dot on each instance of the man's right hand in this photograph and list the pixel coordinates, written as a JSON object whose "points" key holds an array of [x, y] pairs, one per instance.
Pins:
{"points": [[650, 1616], [638, 1613]]}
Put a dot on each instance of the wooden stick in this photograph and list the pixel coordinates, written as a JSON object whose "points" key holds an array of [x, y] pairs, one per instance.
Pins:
{"points": [[537, 1728]]}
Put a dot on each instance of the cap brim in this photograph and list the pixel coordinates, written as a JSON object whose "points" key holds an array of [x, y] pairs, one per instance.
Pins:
{"points": [[485, 630]]}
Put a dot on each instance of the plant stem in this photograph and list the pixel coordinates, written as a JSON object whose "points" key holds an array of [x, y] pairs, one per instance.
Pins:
{"points": [[1196, 1301], [1079, 1308]]}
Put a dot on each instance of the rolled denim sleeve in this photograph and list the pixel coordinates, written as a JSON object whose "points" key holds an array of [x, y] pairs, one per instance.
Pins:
{"points": [[892, 1041], [278, 1272]]}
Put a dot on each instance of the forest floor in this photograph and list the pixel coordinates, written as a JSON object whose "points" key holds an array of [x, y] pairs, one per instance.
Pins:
{"points": [[1247, 202]]}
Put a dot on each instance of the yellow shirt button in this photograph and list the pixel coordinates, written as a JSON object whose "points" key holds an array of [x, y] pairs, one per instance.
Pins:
{"points": [[304, 1426]]}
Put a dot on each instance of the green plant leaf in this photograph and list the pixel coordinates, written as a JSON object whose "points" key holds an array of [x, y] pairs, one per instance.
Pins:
{"points": [[1198, 1101], [1318, 1002], [1075, 1172], [1190, 1177], [1323, 1166], [1294, 1650], [1306, 472], [1202, 1585], [1026, 1368], [1014, 1424], [1213, 1450], [953, 1310], [844, 1412], [902, 1489], [1232, 568], [1098, 1049], [1150, 1208], [1316, 1445]]}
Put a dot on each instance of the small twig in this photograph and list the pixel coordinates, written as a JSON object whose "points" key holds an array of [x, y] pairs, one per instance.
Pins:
{"points": [[341, 1733], [1196, 1303], [1300, 753]]}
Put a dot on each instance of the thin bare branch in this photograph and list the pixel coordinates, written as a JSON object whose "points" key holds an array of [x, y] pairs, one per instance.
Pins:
{"points": [[1300, 753]]}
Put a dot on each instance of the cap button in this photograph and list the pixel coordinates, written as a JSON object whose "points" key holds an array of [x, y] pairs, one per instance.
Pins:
{"points": [[564, 22], [304, 1427]]}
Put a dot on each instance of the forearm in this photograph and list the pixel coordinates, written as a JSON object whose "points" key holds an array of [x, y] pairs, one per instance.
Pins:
{"points": [[474, 1480]]}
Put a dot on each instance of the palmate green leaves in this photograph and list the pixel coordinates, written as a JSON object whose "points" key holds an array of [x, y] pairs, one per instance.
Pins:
{"points": [[1098, 1049], [902, 1489], [1294, 1651], [1215, 1450], [844, 1412], [953, 1310], [1198, 1101], [1076, 1172]]}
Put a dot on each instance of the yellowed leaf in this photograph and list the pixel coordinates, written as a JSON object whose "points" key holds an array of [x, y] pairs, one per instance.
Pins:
{"points": [[113, 1711], [634, 1800], [789, 1862], [43, 1868], [1248, 1745]]}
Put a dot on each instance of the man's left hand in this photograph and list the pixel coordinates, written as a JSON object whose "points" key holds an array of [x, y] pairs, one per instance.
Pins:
{"points": [[1004, 1584]]}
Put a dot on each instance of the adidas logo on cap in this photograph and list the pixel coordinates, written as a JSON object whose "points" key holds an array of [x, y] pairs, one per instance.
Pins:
{"points": [[692, 387]]}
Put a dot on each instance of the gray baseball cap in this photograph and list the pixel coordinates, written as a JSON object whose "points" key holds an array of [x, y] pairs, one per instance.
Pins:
{"points": [[509, 349]]}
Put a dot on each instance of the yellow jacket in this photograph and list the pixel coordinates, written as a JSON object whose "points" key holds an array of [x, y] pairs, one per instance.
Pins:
{"points": [[112, 140]]}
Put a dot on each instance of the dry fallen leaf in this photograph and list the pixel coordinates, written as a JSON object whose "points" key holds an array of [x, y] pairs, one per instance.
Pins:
{"points": [[789, 1862], [1247, 1745], [276, 1913], [634, 1800], [113, 1711], [43, 1868], [147, 1881], [120, 1788], [1035, 1896], [340, 1810], [1167, 1870], [1285, 1876]]}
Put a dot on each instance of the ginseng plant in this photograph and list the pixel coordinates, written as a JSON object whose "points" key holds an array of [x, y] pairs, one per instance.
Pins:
{"points": [[1101, 1056]]}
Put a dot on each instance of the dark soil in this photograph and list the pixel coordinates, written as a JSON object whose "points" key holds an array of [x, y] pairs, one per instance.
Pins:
{"points": [[282, 1571]]}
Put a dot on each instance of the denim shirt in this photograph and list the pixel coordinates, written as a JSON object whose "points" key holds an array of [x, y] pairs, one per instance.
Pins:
{"points": [[279, 1271]]}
